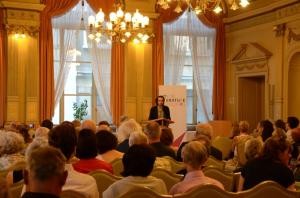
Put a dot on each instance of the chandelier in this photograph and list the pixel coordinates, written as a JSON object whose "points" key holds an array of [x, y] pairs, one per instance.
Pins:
{"points": [[202, 6], [119, 26]]}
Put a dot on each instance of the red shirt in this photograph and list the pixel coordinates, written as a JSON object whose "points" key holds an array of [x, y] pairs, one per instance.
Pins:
{"points": [[88, 165]]}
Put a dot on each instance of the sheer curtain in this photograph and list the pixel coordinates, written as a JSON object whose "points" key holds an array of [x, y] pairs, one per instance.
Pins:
{"points": [[196, 41], [101, 63]]}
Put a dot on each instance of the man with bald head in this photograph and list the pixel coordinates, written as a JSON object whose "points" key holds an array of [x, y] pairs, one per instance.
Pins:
{"points": [[89, 124]]}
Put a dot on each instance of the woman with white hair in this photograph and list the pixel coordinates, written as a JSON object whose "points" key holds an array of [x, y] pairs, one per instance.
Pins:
{"points": [[126, 128]]}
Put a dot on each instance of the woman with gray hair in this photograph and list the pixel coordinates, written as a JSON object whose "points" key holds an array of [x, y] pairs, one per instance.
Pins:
{"points": [[126, 128], [194, 156]]}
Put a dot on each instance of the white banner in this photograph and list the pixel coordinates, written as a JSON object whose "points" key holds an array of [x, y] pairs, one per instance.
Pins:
{"points": [[175, 99]]}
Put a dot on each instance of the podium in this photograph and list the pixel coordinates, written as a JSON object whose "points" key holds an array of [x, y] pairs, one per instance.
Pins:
{"points": [[162, 121]]}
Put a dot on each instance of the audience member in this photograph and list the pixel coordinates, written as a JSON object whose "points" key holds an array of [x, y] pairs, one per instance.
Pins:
{"points": [[203, 129], [265, 128], [167, 137], [138, 138], [293, 133], [235, 130], [153, 131], [104, 126], [45, 174], [41, 132], [279, 133], [280, 124], [47, 123], [86, 151], [126, 128], [64, 138], [89, 124], [272, 164], [253, 148], [106, 146], [138, 164], [194, 156]]}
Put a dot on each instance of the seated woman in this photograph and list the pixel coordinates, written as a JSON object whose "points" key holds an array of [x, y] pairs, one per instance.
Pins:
{"points": [[194, 156], [138, 164], [86, 151], [106, 146], [272, 164]]}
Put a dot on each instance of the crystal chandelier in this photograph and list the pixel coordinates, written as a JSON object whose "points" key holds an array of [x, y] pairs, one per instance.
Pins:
{"points": [[201, 6], [120, 26]]}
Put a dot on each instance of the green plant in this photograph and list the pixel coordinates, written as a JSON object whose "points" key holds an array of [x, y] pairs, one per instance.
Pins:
{"points": [[80, 110]]}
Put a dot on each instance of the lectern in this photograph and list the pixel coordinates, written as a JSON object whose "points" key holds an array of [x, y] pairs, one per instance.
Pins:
{"points": [[162, 121]]}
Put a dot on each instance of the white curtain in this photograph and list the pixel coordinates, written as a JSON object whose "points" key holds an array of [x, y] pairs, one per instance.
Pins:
{"points": [[196, 48], [101, 63]]}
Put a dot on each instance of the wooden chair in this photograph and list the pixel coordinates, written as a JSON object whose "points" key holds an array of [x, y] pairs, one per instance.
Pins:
{"points": [[104, 180], [117, 166], [267, 189], [20, 165], [205, 191], [15, 190], [211, 161], [140, 192], [175, 165], [224, 144], [227, 179], [168, 177], [71, 194]]}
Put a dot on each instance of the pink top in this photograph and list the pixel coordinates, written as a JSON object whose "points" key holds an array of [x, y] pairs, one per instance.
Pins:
{"points": [[88, 165], [192, 179]]}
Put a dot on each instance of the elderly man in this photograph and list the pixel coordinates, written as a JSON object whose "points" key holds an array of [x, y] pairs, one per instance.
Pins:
{"points": [[45, 173], [203, 130]]}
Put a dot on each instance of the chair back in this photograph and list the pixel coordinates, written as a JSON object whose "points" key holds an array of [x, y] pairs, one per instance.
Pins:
{"points": [[104, 180], [224, 144], [175, 165], [71, 194], [117, 166], [211, 161], [268, 189], [227, 179], [15, 189], [168, 177], [205, 191], [143, 192]]}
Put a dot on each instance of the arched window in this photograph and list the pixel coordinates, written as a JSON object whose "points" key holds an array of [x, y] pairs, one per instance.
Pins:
{"points": [[82, 67], [189, 60]]}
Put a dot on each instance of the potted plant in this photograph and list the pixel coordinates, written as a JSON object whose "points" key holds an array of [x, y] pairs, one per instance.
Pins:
{"points": [[80, 110]]}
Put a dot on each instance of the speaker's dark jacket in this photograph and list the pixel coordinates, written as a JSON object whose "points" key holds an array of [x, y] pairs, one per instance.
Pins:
{"points": [[154, 113]]}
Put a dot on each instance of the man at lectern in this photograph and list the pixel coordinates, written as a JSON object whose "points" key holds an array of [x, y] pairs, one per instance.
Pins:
{"points": [[160, 110]]}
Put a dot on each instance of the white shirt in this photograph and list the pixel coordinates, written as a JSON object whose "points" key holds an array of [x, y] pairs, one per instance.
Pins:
{"points": [[79, 182], [122, 186]]}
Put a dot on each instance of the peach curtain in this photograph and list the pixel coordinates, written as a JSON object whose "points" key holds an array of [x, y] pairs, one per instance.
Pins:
{"points": [[53, 8], [117, 66], [2, 71], [209, 19], [165, 16]]}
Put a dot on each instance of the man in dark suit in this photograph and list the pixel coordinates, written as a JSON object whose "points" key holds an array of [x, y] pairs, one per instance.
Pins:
{"points": [[160, 110]]}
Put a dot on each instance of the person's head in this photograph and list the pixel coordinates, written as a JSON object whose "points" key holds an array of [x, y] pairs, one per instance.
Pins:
{"points": [[244, 126], [194, 154], [160, 100], [103, 126], [276, 149], [23, 129], [204, 129], [204, 140], [166, 136], [106, 141], [292, 122], [153, 131], [87, 144], [11, 143], [138, 160], [64, 138], [235, 130], [76, 123], [89, 124], [137, 138], [126, 128], [41, 132], [267, 129], [47, 123], [280, 124], [36, 144], [253, 148], [45, 171]]}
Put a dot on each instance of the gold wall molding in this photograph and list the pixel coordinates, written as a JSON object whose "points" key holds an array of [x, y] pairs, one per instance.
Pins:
{"points": [[22, 5], [293, 36]]}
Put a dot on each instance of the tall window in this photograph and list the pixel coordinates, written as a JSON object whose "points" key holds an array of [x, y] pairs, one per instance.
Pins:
{"points": [[189, 59], [81, 67]]}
